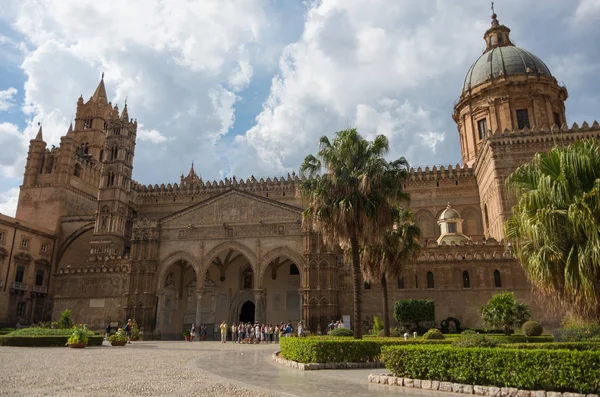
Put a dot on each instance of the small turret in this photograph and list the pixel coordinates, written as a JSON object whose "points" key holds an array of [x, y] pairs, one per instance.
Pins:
{"points": [[100, 93], [39, 137]]}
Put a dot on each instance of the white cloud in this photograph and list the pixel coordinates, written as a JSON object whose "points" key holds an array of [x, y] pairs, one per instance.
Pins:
{"points": [[363, 64], [150, 135], [7, 98], [8, 201], [12, 158]]}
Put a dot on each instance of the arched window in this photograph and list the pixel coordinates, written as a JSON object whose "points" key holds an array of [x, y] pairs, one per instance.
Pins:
{"points": [[400, 282], [430, 283], [104, 214], [497, 279], [247, 278], [367, 285], [294, 270], [101, 155], [466, 279], [85, 149]]}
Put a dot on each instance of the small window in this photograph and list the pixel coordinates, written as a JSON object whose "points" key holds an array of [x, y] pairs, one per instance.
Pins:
{"points": [[522, 118], [416, 281], [430, 283], [294, 270], [367, 285], [21, 309], [466, 280], [557, 119], [39, 277], [497, 279], [482, 128], [44, 248], [499, 39], [452, 227], [400, 282], [24, 243], [20, 274]]}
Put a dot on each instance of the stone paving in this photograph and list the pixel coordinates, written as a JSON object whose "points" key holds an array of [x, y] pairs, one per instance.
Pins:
{"points": [[174, 369]]}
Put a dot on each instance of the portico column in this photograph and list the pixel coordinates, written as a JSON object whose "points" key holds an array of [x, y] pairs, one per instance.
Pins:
{"points": [[259, 306], [198, 308]]}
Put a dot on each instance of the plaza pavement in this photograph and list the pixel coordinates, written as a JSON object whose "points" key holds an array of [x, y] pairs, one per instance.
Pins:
{"points": [[174, 369]]}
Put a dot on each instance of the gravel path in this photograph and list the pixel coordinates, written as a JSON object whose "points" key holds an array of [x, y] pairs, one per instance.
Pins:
{"points": [[175, 369]]}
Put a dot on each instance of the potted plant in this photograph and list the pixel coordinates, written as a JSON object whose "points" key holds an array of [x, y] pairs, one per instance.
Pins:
{"points": [[79, 337], [135, 331], [119, 338], [186, 335]]}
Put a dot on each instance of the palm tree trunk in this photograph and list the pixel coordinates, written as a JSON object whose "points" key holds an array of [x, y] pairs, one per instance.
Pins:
{"points": [[356, 281], [386, 308]]}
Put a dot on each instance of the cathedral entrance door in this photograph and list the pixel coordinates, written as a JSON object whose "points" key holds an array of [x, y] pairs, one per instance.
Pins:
{"points": [[247, 312]]}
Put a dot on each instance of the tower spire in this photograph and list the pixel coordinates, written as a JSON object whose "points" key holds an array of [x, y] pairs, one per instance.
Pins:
{"points": [[100, 93], [39, 137]]}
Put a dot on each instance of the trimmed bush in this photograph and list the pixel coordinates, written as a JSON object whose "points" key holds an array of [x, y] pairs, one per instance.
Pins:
{"points": [[433, 333], [535, 369], [394, 332], [340, 350], [7, 329], [523, 339], [532, 328], [44, 341], [34, 331], [341, 332], [581, 346], [476, 340], [468, 332], [65, 319]]}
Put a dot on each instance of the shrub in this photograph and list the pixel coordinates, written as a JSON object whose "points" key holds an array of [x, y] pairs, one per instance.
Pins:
{"points": [[80, 334], [433, 333], [532, 328], [413, 311], [41, 332], [468, 332], [504, 311], [377, 325], [7, 329], [341, 332], [118, 336], [397, 332], [476, 340], [44, 340], [554, 345], [575, 332], [135, 330], [65, 319], [523, 339], [535, 369], [340, 350]]}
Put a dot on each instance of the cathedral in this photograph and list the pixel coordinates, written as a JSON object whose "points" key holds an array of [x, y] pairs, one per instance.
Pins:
{"points": [[89, 238]]}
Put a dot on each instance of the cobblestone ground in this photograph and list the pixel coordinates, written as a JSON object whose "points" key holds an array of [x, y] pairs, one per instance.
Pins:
{"points": [[174, 369]]}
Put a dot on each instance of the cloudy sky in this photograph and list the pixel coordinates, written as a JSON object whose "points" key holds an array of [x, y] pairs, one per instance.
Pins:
{"points": [[246, 87]]}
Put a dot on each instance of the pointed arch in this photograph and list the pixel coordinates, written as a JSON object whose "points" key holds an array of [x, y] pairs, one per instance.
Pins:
{"points": [[426, 222], [472, 224], [287, 252], [165, 265], [230, 245]]}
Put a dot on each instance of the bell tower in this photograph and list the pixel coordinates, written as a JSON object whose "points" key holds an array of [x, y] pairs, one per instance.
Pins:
{"points": [[112, 230]]}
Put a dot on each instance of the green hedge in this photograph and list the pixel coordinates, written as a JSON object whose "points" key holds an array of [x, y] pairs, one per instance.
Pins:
{"points": [[533, 369], [340, 349], [44, 341], [36, 331], [555, 345], [522, 338]]}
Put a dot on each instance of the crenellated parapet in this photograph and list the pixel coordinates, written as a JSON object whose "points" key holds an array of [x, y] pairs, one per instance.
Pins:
{"points": [[543, 134], [439, 173], [487, 250]]}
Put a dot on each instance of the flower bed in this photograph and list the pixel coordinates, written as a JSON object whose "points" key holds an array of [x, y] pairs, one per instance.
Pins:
{"points": [[341, 350], [531, 369]]}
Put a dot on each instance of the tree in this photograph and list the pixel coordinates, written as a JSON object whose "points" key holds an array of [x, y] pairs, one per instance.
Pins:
{"points": [[386, 258], [504, 311], [554, 229], [353, 199], [410, 312], [65, 319]]}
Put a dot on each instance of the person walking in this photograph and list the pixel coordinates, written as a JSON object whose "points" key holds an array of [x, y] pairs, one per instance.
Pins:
{"points": [[127, 329], [234, 331], [193, 333], [107, 331], [223, 332]]}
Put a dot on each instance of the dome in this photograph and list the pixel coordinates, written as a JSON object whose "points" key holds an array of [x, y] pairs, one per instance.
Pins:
{"points": [[505, 60], [449, 214]]}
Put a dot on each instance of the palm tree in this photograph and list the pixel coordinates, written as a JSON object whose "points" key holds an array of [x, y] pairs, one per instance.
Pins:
{"points": [[555, 227], [352, 201], [387, 257]]}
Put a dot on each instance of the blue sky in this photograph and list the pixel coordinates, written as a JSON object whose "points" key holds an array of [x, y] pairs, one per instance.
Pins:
{"points": [[246, 87]]}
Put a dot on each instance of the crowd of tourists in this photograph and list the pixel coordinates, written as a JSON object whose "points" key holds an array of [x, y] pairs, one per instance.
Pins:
{"points": [[251, 333]]}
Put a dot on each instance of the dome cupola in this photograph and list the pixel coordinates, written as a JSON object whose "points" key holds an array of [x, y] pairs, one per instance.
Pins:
{"points": [[506, 88]]}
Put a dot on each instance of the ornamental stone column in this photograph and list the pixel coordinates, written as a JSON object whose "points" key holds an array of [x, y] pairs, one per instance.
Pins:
{"points": [[259, 306], [198, 308]]}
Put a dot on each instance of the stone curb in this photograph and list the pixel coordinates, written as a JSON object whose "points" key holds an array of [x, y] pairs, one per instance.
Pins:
{"points": [[319, 366], [492, 391]]}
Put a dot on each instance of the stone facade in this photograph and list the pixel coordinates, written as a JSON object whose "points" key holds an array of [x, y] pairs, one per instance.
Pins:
{"points": [[205, 251]]}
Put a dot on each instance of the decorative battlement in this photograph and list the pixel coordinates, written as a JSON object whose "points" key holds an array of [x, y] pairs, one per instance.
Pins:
{"points": [[439, 173], [84, 269], [546, 133], [489, 249]]}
